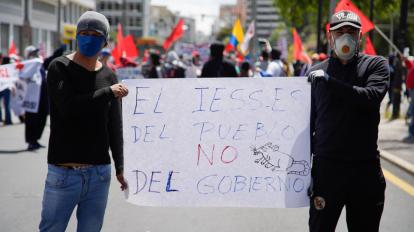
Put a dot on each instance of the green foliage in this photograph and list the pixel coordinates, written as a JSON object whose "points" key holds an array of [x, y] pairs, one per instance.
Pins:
{"points": [[223, 33], [296, 13], [302, 14]]}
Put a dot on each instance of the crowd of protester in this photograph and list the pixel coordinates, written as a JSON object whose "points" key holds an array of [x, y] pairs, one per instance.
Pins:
{"points": [[155, 64]]}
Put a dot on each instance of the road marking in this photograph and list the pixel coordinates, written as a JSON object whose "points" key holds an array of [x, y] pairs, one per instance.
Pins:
{"points": [[406, 187]]}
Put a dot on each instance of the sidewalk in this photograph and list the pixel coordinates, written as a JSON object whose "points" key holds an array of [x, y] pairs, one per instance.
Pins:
{"points": [[391, 134]]}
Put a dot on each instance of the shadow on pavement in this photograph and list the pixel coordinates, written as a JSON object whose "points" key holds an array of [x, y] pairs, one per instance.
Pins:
{"points": [[9, 152]]}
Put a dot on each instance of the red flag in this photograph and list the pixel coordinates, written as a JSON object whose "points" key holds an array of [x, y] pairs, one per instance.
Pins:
{"points": [[369, 47], [229, 47], [119, 50], [175, 35], [120, 41], [367, 25], [131, 49], [146, 56], [298, 53], [12, 49]]}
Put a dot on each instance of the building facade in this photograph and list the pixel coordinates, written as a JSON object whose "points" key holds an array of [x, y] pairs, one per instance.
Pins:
{"points": [[190, 33], [35, 22], [132, 14], [228, 14], [267, 17], [161, 22]]}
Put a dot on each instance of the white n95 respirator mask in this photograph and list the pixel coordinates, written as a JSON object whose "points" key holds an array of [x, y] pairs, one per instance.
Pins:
{"points": [[345, 46]]}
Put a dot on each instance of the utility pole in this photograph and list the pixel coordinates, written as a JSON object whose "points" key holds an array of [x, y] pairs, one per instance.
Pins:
{"points": [[332, 6], [391, 33], [124, 17], [371, 17], [254, 17], [59, 18], [26, 37], [318, 27], [403, 25]]}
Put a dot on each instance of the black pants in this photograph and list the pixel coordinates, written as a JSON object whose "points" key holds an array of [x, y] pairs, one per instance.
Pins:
{"points": [[34, 125], [396, 102], [359, 186]]}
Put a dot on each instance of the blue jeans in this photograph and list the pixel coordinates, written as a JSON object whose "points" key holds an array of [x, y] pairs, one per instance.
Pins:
{"points": [[5, 94], [411, 109], [66, 188]]}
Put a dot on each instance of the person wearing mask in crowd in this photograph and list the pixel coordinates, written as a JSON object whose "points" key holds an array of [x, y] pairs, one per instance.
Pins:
{"points": [[105, 58], [193, 69], [396, 86], [409, 63], [35, 122], [276, 67], [152, 67], [173, 67], [85, 122], [217, 66], [261, 65], [346, 94], [5, 95], [245, 70], [297, 68]]}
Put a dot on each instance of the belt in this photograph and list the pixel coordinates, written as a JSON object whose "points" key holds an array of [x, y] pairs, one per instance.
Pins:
{"points": [[75, 167]]}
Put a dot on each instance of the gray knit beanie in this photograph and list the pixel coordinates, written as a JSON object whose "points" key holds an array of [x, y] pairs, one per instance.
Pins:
{"points": [[94, 21]]}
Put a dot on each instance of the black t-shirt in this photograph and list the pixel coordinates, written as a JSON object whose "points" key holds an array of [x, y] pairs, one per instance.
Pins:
{"points": [[86, 118], [345, 110]]}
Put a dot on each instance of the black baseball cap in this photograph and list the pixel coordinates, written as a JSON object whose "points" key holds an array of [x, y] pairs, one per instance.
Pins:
{"points": [[344, 18]]}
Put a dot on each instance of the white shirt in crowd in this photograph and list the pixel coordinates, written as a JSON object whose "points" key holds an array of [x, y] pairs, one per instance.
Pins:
{"points": [[275, 68]]}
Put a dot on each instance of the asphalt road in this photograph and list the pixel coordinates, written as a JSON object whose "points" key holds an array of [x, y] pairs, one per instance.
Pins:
{"points": [[22, 176]]}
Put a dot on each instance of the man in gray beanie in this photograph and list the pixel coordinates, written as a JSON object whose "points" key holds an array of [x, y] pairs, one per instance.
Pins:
{"points": [[85, 122]]}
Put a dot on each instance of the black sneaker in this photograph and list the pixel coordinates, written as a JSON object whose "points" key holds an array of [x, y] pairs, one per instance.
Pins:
{"points": [[34, 146], [40, 145]]}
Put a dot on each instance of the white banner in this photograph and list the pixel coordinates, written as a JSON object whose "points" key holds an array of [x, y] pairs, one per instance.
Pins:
{"points": [[128, 73], [26, 83], [32, 96], [8, 75], [217, 142]]}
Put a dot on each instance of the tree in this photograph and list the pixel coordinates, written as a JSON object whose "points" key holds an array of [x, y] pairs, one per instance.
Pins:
{"points": [[302, 14], [224, 33]]}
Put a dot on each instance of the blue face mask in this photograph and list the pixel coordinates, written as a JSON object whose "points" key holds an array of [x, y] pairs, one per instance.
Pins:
{"points": [[89, 45]]}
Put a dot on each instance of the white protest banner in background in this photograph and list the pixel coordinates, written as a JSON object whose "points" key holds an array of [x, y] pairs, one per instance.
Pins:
{"points": [[8, 75], [128, 73], [26, 83], [16, 101], [32, 97], [222, 142]]}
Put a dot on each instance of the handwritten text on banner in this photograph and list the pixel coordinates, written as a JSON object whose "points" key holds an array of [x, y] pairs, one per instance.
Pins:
{"points": [[217, 142]]}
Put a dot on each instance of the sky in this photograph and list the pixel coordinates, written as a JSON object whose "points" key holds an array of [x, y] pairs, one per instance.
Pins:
{"points": [[195, 8]]}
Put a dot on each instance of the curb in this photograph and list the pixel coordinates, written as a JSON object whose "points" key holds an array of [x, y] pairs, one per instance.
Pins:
{"points": [[407, 166]]}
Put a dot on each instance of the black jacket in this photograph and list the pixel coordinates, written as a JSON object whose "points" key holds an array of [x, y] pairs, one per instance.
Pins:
{"points": [[345, 110], [218, 68]]}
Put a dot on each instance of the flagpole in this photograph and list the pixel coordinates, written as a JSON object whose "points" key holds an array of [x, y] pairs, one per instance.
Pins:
{"points": [[254, 48], [318, 28], [387, 39]]}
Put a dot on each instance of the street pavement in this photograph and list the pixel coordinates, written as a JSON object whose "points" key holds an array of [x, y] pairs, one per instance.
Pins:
{"points": [[22, 176]]}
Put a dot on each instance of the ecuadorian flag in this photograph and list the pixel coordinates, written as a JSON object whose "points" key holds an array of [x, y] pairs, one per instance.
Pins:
{"points": [[237, 37]]}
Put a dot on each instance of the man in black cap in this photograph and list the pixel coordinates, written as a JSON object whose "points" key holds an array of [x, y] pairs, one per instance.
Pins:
{"points": [[347, 90], [85, 122], [216, 66]]}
